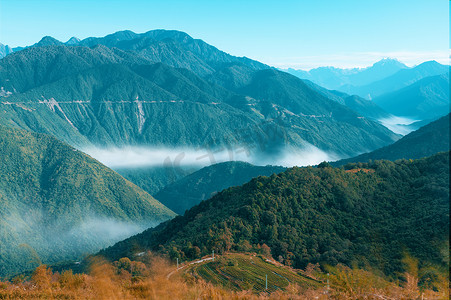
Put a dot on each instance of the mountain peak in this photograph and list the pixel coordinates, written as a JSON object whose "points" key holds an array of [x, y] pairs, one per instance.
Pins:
{"points": [[122, 35], [161, 34], [72, 41], [432, 66], [430, 63], [389, 62], [48, 41], [5, 50]]}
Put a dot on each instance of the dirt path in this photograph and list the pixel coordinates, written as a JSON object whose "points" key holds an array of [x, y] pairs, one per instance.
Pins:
{"points": [[189, 264]]}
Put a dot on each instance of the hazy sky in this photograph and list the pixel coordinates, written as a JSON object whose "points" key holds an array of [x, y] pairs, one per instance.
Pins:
{"points": [[284, 33]]}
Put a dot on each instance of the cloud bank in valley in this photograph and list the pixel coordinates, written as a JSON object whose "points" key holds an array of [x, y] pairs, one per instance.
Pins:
{"points": [[398, 125], [145, 157]]}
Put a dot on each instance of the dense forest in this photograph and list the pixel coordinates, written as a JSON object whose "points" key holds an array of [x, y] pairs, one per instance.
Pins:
{"points": [[369, 214]]}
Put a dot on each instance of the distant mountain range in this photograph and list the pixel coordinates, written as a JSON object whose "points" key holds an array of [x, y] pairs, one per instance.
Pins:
{"points": [[334, 78], [398, 80], [383, 77], [101, 96], [418, 93], [57, 203], [426, 141]]}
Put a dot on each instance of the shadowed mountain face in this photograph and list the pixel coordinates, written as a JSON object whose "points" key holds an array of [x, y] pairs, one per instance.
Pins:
{"points": [[105, 97], [426, 141], [203, 184], [58, 203]]}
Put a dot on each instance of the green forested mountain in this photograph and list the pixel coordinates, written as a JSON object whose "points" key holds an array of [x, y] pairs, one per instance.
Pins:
{"points": [[283, 96], [100, 99], [427, 98], [57, 203], [429, 139], [203, 184], [110, 97], [371, 215]]}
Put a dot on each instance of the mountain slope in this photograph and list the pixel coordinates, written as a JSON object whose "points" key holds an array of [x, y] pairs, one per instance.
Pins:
{"points": [[288, 98], [326, 215], [203, 184], [37, 66], [427, 98], [363, 107], [58, 203], [426, 141], [103, 97]]}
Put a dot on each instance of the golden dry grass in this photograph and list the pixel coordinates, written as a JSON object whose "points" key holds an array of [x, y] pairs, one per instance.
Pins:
{"points": [[127, 279]]}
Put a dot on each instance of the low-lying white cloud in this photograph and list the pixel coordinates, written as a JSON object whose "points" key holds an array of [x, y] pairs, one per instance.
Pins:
{"points": [[398, 125], [66, 237], [140, 157]]}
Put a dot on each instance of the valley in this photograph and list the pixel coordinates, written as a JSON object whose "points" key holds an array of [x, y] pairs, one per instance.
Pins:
{"points": [[128, 159]]}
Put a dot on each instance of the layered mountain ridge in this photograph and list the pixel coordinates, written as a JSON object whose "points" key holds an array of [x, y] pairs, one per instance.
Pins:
{"points": [[104, 96]]}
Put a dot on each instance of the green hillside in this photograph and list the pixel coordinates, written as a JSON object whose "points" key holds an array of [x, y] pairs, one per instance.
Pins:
{"points": [[203, 184], [429, 139], [370, 216], [242, 272], [57, 203]]}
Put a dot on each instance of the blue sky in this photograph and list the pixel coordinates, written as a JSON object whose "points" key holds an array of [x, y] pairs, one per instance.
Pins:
{"points": [[300, 34]]}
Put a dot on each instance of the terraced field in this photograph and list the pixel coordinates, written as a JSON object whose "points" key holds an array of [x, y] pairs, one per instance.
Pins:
{"points": [[247, 272]]}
